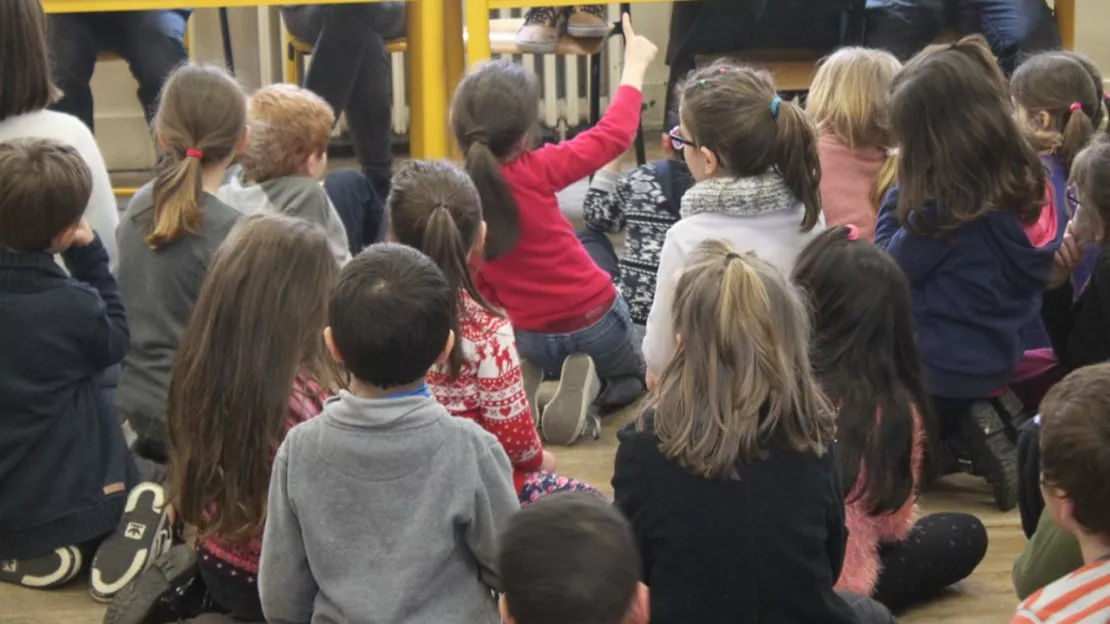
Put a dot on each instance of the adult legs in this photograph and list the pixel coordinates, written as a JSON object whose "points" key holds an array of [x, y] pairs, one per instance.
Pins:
{"points": [[942, 549], [153, 43], [74, 44], [359, 207], [867, 610], [350, 69], [903, 27], [1014, 28]]}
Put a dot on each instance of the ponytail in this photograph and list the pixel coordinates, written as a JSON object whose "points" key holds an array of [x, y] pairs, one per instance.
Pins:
{"points": [[498, 206], [888, 175], [444, 244], [794, 154], [1077, 133], [178, 187]]}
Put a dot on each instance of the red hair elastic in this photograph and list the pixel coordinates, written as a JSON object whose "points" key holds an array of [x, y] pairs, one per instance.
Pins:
{"points": [[1076, 106], [194, 153], [853, 232]]}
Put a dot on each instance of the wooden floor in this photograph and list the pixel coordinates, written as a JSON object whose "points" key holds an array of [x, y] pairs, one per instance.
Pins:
{"points": [[986, 598]]}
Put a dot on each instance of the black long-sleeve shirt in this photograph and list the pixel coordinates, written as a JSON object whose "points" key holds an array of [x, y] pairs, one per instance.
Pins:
{"points": [[767, 547], [1079, 329]]}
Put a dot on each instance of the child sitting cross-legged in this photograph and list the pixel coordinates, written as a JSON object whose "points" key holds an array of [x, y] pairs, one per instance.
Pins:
{"points": [[1075, 464], [729, 477], [384, 508], [571, 558], [68, 485], [435, 208]]}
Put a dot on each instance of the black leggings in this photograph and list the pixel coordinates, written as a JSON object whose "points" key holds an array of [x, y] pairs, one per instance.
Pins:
{"points": [[941, 549]]}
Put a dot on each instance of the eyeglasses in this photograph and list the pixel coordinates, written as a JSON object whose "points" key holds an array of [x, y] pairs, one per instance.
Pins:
{"points": [[1072, 195], [679, 143]]}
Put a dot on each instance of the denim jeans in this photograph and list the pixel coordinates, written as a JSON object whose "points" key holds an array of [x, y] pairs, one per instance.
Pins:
{"points": [[1013, 27], [609, 342], [351, 70], [152, 43], [360, 209]]}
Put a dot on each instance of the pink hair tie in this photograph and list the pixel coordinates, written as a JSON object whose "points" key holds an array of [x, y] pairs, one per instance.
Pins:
{"points": [[1076, 106], [853, 232], [1105, 95], [194, 153]]}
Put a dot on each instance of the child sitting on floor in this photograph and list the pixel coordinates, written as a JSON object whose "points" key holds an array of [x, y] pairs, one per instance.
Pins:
{"points": [[849, 103], [569, 319], [251, 366], [67, 479], [384, 507], [285, 156], [728, 477], [167, 237], [970, 227], [763, 200], [865, 357], [1074, 468], [571, 558], [435, 208]]}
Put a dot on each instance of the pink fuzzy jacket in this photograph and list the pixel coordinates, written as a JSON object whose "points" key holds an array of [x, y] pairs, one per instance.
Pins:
{"points": [[847, 179], [866, 532]]}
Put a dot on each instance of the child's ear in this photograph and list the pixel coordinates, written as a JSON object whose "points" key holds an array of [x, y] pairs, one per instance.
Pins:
{"points": [[639, 612], [316, 165], [480, 241], [329, 341], [241, 144], [446, 355], [1043, 120], [712, 163], [64, 239], [503, 607]]}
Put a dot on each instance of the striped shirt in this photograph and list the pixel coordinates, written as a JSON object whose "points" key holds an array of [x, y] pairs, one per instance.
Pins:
{"points": [[1082, 597]]}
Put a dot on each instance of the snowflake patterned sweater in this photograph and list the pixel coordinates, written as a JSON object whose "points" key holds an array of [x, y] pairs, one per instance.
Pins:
{"points": [[489, 389]]}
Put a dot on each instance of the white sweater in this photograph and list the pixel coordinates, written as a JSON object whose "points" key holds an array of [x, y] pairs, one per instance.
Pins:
{"points": [[102, 211], [754, 214]]}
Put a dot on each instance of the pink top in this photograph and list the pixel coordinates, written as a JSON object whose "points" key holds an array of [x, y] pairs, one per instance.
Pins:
{"points": [[847, 179], [867, 532]]}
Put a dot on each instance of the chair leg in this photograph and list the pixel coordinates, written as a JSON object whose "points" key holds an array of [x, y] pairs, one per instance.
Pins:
{"points": [[595, 89], [225, 33]]}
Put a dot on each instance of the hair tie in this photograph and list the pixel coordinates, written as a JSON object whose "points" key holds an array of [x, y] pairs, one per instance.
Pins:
{"points": [[1105, 95], [853, 232], [1075, 106], [192, 152], [775, 107]]}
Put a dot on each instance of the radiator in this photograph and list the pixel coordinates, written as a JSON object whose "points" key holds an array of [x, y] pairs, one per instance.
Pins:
{"points": [[564, 83]]}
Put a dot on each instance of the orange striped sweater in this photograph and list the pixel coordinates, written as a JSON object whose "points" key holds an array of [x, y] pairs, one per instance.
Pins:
{"points": [[1082, 597]]}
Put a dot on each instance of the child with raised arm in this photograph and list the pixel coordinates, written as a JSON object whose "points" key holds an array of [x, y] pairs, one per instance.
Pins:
{"points": [[569, 318], [384, 508], [169, 233], [67, 479]]}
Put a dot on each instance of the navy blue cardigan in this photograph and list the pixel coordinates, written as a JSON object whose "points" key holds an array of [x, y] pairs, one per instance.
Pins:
{"points": [[64, 464]]}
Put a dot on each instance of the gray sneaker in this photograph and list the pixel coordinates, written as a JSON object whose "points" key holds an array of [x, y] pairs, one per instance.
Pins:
{"points": [[540, 31], [565, 417]]}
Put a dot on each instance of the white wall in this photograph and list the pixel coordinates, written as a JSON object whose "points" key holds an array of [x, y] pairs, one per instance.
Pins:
{"points": [[124, 137]]}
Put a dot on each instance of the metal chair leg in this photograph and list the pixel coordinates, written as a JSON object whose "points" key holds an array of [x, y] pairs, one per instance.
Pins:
{"points": [[225, 33]]}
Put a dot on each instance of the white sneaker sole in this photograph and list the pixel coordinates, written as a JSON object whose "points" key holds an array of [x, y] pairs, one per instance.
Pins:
{"points": [[564, 418]]}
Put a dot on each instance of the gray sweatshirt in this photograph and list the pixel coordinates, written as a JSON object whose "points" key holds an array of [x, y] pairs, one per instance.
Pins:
{"points": [[385, 511], [159, 288], [296, 196]]}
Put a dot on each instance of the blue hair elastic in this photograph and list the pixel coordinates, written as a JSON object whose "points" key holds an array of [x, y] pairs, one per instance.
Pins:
{"points": [[775, 107]]}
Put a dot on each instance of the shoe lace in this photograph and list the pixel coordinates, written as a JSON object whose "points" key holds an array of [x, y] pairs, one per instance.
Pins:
{"points": [[543, 15]]}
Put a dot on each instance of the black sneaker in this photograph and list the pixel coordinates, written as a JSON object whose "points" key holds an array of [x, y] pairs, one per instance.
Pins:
{"points": [[45, 572], [993, 454], [170, 590], [143, 534]]}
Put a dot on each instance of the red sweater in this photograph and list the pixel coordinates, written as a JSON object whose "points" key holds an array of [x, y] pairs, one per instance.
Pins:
{"points": [[548, 276], [489, 389]]}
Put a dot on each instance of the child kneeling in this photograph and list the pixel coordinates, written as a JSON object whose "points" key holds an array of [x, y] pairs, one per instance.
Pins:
{"points": [[384, 507]]}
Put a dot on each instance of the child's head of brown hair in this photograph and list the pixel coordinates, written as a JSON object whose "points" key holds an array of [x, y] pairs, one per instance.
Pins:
{"points": [[24, 59], [290, 129], [736, 125], [201, 124], [434, 207], [44, 189], [495, 111], [1090, 175], [960, 146], [1058, 101], [1075, 451], [850, 96]]}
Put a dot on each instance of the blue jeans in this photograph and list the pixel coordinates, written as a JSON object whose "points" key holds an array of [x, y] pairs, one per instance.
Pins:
{"points": [[1013, 27], [609, 342], [360, 209], [152, 43]]}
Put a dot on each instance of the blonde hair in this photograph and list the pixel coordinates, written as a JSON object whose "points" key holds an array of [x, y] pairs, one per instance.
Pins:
{"points": [[202, 114], [288, 126], [850, 96], [740, 382]]}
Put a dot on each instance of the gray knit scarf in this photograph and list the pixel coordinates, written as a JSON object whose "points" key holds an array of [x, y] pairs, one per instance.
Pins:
{"points": [[743, 197]]}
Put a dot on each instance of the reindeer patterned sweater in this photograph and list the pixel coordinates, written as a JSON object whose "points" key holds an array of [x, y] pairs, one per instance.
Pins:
{"points": [[489, 389]]}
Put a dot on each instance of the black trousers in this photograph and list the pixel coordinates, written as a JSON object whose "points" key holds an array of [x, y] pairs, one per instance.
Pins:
{"points": [[942, 549]]}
